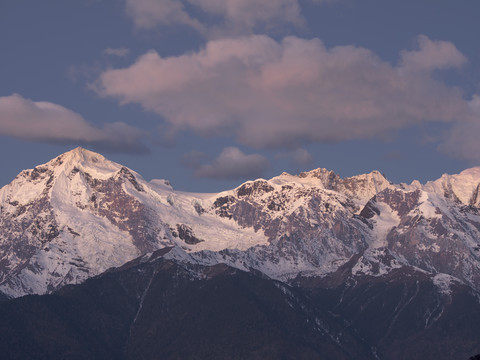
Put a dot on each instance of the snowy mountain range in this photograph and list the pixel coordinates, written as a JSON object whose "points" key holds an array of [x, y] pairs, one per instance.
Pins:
{"points": [[81, 214], [307, 266]]}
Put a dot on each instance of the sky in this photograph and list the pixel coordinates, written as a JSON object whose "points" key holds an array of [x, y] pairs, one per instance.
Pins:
{"points": [[210, 93]]}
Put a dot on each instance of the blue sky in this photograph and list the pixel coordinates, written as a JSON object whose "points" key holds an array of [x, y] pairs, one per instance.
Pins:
{"points": [[209, 93]]}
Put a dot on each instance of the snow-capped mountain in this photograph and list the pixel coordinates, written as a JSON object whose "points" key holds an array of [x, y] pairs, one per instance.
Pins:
{"points": [[80, 214]]}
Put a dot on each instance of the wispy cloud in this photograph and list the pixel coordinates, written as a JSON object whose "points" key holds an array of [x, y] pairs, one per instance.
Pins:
{"points": [[301, 156], [150, 13], [237, 16], [273, 94], [43, 121], [194, 159], [120, 52], [297, 157], [231, 164]]}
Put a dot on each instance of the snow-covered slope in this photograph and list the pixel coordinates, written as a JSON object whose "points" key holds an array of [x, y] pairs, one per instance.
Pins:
{"points": [[80, 214], [463, 187]]}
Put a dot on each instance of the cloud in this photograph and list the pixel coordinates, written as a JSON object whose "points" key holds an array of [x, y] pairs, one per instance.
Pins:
{"points": [[301, 156], [43, 121], [237, 15], [233, 164], [271, 94], [432, 55], [150, 13], [297, 157], [248, 14], [194, 159], [120, 52], [462, 139]]}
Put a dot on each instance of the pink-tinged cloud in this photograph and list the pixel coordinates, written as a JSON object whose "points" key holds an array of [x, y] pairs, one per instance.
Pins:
{"points": [[462, 140], [51, 123], [227, 15], [273, 94], [233, 164], [432, 55]]}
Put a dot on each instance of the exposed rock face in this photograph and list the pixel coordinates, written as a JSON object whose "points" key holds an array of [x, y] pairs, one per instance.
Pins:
{"points": [[26, 225], [361, 187], [185, 233], [109, 200]]}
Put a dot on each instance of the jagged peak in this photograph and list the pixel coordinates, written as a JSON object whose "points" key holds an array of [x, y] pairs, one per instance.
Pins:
{"points": [[316, 172], [325, 174], [321, 173], [360, 187]]}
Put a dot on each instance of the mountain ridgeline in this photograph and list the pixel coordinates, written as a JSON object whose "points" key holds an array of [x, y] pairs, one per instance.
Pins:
{"points": [[306, 266]]}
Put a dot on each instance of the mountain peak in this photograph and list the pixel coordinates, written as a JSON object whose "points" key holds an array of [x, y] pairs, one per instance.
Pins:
{"points": [[93, 163], [81, 153], [473, 172], [463, 187]]}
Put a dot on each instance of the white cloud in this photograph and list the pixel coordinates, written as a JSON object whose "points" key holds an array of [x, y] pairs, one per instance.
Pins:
{"points": [[282, 94], [120, 52], [48, 122], [233, 164]]}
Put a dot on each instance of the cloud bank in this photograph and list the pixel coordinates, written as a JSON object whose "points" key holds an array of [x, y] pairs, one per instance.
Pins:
{"points": [[271, 94], [51, 123], [231, 164]]}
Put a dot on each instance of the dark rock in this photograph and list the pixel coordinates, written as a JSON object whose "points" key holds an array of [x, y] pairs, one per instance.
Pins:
{"points": [[124, 172], [198, 208], [224, 200], [258, 187], [222, 206], [475, 200], [370, 209], [186, 234]]}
